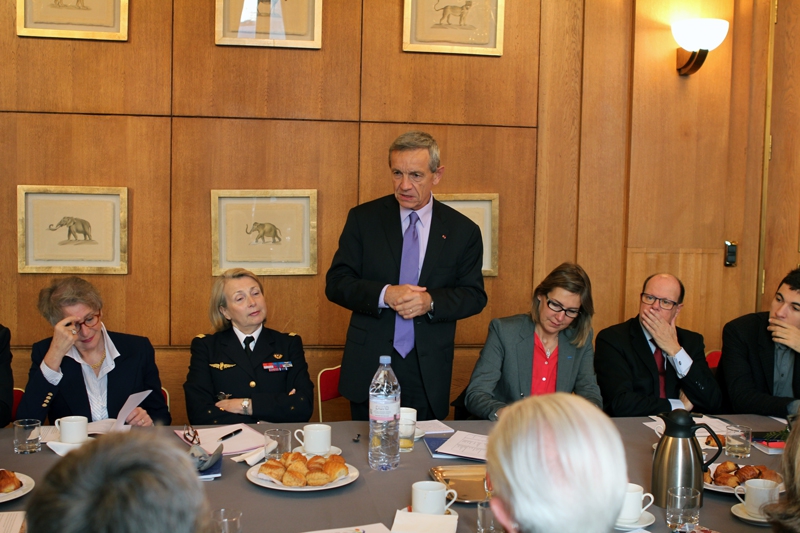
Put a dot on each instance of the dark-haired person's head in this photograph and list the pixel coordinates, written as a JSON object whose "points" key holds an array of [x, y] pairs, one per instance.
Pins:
{"points": [[564, 300], [785, 305], [131, 482]]}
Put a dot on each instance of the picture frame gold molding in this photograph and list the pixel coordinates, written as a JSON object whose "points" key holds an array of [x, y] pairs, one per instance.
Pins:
{"points": [[221, 37], [489, 203], [28, 28]]}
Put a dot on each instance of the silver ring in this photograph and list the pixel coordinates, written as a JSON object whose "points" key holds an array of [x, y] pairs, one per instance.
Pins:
{"points": [[74, 332]]}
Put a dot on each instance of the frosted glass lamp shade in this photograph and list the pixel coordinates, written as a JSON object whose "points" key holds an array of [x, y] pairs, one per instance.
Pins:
{"points": [[699, 34]]}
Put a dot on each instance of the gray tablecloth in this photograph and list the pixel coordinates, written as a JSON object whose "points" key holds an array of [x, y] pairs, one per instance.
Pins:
{"points": [[375, 496]]}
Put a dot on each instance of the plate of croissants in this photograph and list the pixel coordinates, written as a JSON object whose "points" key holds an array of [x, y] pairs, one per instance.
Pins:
{"points": [[13, 485], [724, 477], [295, 472]]}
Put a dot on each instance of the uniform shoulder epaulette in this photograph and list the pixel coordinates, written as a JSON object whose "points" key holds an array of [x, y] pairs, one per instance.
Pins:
{"points": [[200, 336], [293, 334]]}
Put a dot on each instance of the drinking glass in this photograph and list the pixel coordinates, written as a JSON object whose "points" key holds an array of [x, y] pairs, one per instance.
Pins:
{"points": [[737, 441], [408, 429], [284, 439], [683, 508], [27, 436], [226, 521], [487, 523]]}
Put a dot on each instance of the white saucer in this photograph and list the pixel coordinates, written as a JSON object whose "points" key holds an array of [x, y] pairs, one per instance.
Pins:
{"points": [[449, 512], [418, 434], [645, 520], [334, 451], [739, 512]]}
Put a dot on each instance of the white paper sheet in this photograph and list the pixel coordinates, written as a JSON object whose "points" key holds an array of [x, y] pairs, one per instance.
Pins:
{"points": [[369, 528], [12, 522], [719, 426], [131, 403], [433, 426], [249, 439], [464, 444]]}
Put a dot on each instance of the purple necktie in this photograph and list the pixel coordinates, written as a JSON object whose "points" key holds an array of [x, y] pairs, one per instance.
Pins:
{"points": [[409, 273]]}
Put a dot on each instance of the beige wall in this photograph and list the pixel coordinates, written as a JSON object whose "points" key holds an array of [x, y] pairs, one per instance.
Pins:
{"points": [[599, 151]]}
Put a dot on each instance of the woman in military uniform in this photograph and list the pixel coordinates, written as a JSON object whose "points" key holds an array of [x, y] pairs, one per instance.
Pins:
{"points": [[245, 372]]}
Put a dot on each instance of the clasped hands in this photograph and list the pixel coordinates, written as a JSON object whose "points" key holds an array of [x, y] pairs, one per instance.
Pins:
{"points": [[234, 405], [408, 301], [784, 333]]}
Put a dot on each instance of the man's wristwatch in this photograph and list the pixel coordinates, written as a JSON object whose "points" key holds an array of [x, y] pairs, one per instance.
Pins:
{"points": [[430, 311], [246, 407]]}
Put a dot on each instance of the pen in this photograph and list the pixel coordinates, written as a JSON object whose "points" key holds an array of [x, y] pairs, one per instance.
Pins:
{"points": [[229, 435]]}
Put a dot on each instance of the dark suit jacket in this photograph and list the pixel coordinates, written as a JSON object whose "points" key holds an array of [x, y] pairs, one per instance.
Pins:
{"points": [[628, 377], [368, 258], [747, 367], [134, 371], [219, 364], [504, 371], [6, 377]]}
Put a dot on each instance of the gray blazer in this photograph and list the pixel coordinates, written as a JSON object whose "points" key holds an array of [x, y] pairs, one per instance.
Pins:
{"points": [[504, 371]]}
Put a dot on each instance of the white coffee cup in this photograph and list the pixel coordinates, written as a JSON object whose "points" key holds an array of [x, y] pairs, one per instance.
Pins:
{"points": [[73, 429], [429, 497], [316, 438], [408, 413], [632, 504], [757, 493]]}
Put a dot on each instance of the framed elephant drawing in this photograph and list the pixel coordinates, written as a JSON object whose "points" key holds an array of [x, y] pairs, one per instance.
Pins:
{"points": [[269, 232], [104, 20], [76, 230]]}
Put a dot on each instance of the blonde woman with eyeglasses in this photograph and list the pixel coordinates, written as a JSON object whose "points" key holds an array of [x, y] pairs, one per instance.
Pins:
{"points": [[86, 370], [545, 351]]}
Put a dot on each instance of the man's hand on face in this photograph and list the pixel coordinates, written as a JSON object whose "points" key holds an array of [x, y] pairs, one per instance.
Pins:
{"points": [[664, 333], [784, 333]]}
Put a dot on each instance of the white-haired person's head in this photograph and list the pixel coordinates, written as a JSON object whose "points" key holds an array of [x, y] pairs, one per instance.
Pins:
{"points": [[556, 463], [121, 483]]}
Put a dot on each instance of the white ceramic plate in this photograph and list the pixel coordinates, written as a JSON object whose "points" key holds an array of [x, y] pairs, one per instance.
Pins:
{"points": [[725, 489], [334, 451], [252, 477], [739, 512], [27, 486], [645, 520]]}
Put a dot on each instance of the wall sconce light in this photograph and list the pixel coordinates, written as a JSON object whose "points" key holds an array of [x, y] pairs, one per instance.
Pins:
{"points": [[696, 38]]}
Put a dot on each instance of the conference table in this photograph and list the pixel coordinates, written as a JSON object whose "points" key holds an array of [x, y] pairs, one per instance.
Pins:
{"points": [[376, 496]]}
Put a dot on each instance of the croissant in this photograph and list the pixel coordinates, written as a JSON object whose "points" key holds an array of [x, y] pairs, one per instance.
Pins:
{"points": [[317, 478], [707, 477], [273, 469], [9, 482], [292, 457], [726, 480], [293, 479], [335, 469], [726, 468], [771, 475], [747, 472]]}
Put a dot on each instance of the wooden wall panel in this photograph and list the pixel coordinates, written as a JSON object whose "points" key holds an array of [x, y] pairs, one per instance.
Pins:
{"points": [[603, 182], [750, 34], [699, 271], [783, 195], [264, 154], [246, 81], [81, 150], [401, 86], [559, 136], [679, 135], [476, 160], [81, 76]]}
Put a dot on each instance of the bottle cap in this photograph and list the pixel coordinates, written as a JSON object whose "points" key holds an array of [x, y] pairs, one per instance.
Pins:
{"points": [[386, 359]]}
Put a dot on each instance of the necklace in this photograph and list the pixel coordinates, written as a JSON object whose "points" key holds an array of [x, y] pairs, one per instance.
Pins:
{"points": [[100, 362]]}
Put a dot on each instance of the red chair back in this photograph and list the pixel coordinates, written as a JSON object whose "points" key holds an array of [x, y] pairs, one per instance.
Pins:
{"points": [[712, 358], [17, 398], [327, 386]]}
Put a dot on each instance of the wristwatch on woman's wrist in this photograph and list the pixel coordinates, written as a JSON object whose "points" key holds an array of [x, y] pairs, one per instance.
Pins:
{"points": [[246, 407]]}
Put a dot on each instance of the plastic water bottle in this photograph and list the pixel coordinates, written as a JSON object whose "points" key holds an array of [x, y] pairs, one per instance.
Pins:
{"points": [[384, 417]]}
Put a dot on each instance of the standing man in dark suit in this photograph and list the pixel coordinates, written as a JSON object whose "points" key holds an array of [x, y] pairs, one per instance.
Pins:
{"points": [[406, 283], [759, 355], [647, 365]]}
